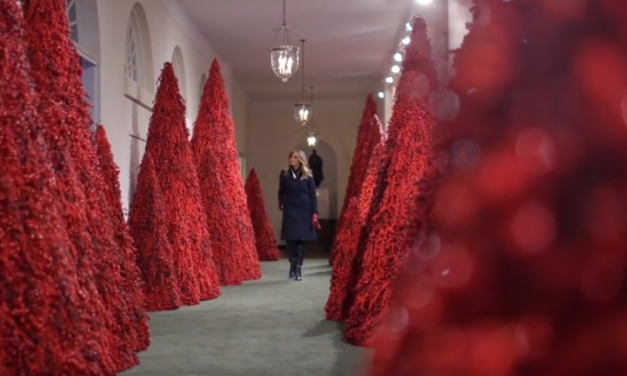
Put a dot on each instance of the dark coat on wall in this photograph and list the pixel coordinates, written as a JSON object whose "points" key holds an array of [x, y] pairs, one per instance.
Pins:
{"points": [[298, 198]]}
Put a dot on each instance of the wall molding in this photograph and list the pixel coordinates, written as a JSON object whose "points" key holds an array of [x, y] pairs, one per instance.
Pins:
{"points": [[182, 17]]}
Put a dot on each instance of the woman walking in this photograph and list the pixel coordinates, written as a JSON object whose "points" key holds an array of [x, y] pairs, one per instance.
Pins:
{"points": [[298, 202]]}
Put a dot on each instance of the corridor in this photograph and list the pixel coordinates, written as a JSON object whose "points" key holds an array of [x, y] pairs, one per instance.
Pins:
{"points": [[270, 327]]}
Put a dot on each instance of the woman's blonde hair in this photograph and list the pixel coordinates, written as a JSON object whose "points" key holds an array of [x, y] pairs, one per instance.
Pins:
{"points": [[305, 172]]}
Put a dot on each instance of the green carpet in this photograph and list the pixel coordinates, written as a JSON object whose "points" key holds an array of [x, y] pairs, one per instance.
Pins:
{"points": [[270, 327]]}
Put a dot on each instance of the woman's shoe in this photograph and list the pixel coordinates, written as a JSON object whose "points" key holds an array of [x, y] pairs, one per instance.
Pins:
{"points": [[292, 274], [298, 275]]}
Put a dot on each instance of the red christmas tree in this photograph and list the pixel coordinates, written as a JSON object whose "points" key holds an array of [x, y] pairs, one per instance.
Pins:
{"points": [[408, 162], [369, 134], [113, 195], [530, 275], [50, 323], [348, 260], [56, 73], [178, 179], [146, 221], [214, 134], [265, 241]]}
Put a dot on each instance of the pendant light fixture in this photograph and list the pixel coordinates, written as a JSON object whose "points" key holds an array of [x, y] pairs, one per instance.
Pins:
{"points": [[303, 109], [284, 58], [311, 136]]}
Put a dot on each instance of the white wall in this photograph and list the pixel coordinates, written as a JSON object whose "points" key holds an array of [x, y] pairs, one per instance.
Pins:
{"points": [[273, 133], [122, 116]]}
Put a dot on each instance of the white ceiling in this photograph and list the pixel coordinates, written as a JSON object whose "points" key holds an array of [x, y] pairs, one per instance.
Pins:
{"points": [[349, 42]]}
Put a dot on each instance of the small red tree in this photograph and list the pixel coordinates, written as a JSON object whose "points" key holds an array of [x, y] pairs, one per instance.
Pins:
{"points": [[348, 261], [408, 160], [369, 134], [265, 241], [214, 133], [146, 221], [113, 195], [178, 179], [50, 323], [56, 73]]}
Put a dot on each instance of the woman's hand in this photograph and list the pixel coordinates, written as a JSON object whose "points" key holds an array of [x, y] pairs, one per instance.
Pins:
{"points": [[280, 207]]}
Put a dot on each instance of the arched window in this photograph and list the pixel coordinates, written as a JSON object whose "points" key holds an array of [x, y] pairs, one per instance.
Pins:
{"points": [[133, 65], [203, 81], [179, 70], [70, 9]]}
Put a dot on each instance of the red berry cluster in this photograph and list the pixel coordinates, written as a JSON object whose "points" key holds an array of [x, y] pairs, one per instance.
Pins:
{"points": [[265, 241], [224, 199]]}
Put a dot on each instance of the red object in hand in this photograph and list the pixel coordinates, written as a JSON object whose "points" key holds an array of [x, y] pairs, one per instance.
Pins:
{"points": [[314, 220]]}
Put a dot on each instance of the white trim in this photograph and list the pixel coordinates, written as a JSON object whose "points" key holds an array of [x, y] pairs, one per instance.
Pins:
{"points": [[182, 17]]}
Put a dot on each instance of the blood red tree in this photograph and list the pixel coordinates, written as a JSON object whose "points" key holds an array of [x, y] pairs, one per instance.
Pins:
{"points": [[214, 134], [56, 73], [529, 277], [408, 163], [154, 253], [348, 260], [265, 241], [50, 321], [369, 134], [185, 218]]}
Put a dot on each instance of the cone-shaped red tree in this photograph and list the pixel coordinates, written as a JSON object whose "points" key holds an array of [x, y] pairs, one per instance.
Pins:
{"points": [[529, 278], [369, 134], [214, 134], [408, 159], [146, 221], [50, 323], [56, 72], [111, 177], [178, 179], [265, 241], [348, 261]]}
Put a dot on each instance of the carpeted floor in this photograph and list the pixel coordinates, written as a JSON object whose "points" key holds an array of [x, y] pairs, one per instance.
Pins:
{"points": [[270, 327]]}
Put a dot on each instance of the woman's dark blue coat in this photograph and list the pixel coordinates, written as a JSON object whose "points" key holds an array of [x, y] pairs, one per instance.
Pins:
{"points": [[298, 198]]}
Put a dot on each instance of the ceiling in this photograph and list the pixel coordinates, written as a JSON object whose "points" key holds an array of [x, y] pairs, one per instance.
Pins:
{"points": [[349, 42]]}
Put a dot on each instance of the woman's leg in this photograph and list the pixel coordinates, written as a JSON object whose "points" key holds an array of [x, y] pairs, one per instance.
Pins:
{"points": [[292, 256], [300, 256]]}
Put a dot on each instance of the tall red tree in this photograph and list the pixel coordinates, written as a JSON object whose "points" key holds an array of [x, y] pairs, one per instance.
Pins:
{"points": [[529, 277], [185, 218], [56, 73], [408, 162], [369, 134], [147, 225], [348, 261], [113, 195], [50, 318], [214, 133], [265, 241]]}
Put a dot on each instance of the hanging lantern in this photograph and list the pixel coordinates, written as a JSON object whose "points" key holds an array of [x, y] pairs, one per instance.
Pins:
{"points": [[284, 58], [311, 139], [303, 106]]}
